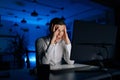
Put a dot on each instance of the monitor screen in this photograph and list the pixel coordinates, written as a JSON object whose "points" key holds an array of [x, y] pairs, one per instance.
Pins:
{"points": [[92, 39]]}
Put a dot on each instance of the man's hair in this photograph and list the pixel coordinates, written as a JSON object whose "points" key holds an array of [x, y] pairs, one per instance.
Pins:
{"points": [[55, 21]]}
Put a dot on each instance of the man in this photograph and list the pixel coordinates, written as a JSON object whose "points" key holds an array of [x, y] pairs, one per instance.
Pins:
{"points": [[55, 47]]}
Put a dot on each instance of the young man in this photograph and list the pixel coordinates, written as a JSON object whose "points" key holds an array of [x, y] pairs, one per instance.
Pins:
{"points": [[55, 47]]}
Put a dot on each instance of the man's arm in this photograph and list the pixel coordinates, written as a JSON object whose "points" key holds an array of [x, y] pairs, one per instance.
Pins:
{"points": [[39, 50], [44, 52], [65, 36], [67, 54], [48, 55]]}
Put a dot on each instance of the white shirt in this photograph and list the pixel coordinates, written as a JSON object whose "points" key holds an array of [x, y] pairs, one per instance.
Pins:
{"points": [[56, 52]]}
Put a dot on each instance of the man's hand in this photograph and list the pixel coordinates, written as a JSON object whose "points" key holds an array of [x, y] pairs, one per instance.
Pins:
{"points": [[65, 36], [55, 34]]}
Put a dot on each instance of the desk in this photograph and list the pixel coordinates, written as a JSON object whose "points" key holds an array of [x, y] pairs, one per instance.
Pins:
{"points": [[73, 67], [81, 72], [76, 74], [68, 72]]}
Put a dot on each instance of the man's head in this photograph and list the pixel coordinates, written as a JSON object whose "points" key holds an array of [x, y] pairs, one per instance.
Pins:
{"points": [[55, 21], [57, 28]]}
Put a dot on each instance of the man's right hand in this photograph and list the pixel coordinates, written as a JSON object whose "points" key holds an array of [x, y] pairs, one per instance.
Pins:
{"points": [[55, 33]]}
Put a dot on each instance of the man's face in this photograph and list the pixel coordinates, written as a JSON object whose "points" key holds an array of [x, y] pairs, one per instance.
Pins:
{"points": [[60, 29]]}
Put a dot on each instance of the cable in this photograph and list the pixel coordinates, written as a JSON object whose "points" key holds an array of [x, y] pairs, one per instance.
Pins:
{"points": [[102, 67]]}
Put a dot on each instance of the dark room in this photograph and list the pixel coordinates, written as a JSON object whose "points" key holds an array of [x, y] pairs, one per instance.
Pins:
{"points": [[59, 40]]}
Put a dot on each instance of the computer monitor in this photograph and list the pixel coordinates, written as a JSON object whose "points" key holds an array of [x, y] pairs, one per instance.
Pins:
{"points": [[90, 39]]}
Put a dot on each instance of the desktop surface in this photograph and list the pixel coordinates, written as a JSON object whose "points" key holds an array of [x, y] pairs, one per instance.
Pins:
{"points": [[79, 72], [73, 67]]}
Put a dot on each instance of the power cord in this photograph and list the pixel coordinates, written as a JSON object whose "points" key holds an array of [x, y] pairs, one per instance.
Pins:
{"points": [[100, 58]]}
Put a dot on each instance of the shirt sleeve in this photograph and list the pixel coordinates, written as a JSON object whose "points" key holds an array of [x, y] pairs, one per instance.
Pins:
{"points": [[40, 49], [67, 54], [48, 55]]}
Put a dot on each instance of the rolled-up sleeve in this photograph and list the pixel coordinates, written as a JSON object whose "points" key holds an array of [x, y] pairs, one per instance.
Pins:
{"points": [[67, 54]]}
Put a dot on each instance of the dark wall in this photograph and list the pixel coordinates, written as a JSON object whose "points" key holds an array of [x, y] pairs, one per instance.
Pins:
{"points": [[117, 23], [114, 4]]}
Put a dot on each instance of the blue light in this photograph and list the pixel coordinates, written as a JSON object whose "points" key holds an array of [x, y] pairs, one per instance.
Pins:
{"points": [[32, 59], [25, 59]]}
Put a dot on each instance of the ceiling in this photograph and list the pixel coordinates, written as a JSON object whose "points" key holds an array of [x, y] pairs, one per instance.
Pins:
{"points": [[17, 10], [109, 3]]}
